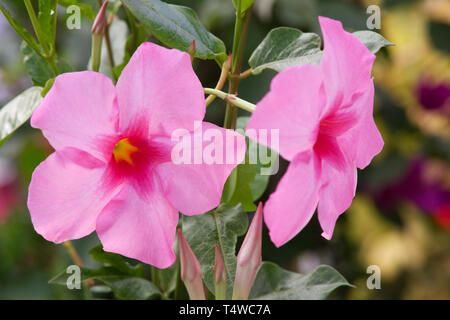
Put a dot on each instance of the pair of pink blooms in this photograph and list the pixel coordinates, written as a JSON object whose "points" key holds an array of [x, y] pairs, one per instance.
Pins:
{"points": [[112, 172]]}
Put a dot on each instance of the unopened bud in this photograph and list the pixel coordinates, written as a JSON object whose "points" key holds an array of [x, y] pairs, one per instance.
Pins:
{"points": [[100, 20], [191, 271], [249, 258], [97, 31]]}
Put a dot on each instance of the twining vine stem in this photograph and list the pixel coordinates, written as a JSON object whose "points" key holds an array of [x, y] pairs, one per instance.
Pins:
{"points": [[223, 78], [231, 99]]}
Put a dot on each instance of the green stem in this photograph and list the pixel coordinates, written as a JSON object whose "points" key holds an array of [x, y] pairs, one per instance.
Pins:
{"points": [[240, 37], [36, 27], [231, 99], [49, 54], [52, 63]]}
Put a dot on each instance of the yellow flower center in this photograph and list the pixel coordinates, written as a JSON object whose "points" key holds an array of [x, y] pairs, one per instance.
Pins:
{"points": [[123, 150]]}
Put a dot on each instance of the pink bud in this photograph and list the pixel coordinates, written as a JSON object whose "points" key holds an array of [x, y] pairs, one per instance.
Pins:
{"points": [[191, 271], [249, 258], [100, 20], [220, 276]]}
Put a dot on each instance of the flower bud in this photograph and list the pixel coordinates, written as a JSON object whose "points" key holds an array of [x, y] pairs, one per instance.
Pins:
{"points": [[220, 276], [97, 31], [191, 271], [249, 258], [100, 20]]}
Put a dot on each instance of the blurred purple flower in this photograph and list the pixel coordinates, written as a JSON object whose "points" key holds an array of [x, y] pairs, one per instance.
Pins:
{"points": [[433, 96], [430, 196]]}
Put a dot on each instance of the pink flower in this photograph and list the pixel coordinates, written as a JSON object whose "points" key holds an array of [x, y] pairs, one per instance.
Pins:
{"points": [[112, 170], [326, 130]]}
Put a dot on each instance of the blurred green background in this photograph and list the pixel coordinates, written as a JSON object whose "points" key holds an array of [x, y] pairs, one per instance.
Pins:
{"points": [[400, 218]]}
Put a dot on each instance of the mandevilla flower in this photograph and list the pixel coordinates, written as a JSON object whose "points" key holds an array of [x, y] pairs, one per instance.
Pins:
{"points": [[112, 170], [326, 130]]}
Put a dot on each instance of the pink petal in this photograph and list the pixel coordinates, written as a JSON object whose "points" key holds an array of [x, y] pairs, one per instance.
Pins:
{"points": [[363, 142], [142, 229], [292, 106], [196, 187], [336, 194], [66, 194], [292, 205], [160, 85], [346, 64], [79, 111]]}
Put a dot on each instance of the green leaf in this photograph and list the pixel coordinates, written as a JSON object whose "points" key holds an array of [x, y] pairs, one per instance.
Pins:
{"points": [[118, 33], [21, 31], [285, 47], [47, 20], [237, 187], [245, 4], [16, 112], [123, 286], [176, 27], [222, 226], [116, 261], [372, 40], [275, 283], [128, 288], [38, 68], [260, 182]]}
